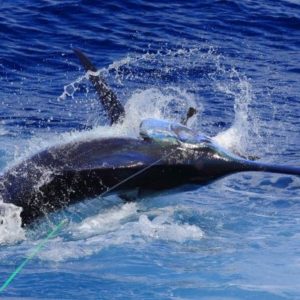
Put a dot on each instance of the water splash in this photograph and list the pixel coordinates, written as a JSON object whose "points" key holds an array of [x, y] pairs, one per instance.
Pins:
{"points": [[118, 226], [167, 104], [167, 87], [10, 224], [243, 135]]}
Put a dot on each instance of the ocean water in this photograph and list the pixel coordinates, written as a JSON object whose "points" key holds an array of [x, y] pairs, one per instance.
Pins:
{"points": [[238, 62]]}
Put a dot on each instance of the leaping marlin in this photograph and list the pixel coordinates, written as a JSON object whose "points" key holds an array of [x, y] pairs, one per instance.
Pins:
{"points": [[164, 156]]}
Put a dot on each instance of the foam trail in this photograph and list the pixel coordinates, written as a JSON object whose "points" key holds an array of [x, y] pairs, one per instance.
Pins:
{"points": [[118, 226]]}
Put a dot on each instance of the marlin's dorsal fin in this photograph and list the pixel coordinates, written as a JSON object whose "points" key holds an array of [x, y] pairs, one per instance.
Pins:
{"points": [[191, 112], [113, 107]]}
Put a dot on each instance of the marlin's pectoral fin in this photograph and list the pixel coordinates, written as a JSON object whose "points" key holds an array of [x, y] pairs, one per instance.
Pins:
{"points": [[130, 196], [107, 97]]}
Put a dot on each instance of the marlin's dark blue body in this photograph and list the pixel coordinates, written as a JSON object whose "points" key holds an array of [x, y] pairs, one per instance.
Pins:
{"points": [[165, 156], [60, 176]]}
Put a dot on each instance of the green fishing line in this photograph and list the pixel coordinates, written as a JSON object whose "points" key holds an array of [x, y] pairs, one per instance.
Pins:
{"points": [[36, 250]]}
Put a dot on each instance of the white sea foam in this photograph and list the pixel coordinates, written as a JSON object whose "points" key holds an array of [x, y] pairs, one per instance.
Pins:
{"points": [[10, 224], [118, 226]]}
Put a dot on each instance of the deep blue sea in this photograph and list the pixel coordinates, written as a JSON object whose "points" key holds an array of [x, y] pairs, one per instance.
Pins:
{"points": [[238, 62]]}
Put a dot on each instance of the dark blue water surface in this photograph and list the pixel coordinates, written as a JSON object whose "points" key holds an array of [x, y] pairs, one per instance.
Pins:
{"points": [[239, 63]]}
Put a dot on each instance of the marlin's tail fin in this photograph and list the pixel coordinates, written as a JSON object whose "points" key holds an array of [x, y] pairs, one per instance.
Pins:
{"points": [[107, 97]]}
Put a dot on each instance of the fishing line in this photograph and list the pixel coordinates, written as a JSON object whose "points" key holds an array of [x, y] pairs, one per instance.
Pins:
{"points": [[138, 172], [39, 247], [36, 250]]}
